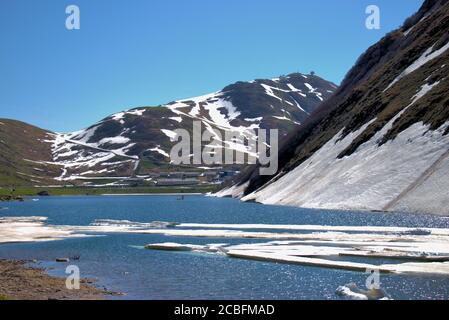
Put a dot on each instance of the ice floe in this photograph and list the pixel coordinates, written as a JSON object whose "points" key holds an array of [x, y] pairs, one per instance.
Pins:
{"points": [[416, 252], [337, 247], [32, 229], [170, 246]]}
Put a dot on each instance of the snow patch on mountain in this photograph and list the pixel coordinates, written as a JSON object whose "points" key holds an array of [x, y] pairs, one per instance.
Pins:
{"points": [[219, 118], [269, 91], [121, 115], [427, 56], [114, 140], [409, 30], [254, 119], [171, 134], [72, 151], [160, 151], [292, 88], [220, 113], [177, 119], [81, 136], [314, 91]]}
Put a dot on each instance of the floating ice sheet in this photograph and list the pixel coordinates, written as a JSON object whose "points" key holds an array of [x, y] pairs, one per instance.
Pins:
{"points": [[417, 251]]}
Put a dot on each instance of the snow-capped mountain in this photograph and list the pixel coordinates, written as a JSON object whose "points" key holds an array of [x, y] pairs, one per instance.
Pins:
{"points": [[382, 141], [138, 141]]}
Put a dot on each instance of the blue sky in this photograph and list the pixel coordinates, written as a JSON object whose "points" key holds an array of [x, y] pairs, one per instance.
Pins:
{"points": [[148, 52]]}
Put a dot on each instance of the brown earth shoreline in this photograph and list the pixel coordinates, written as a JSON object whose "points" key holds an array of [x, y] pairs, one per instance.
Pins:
{"points": [[21, 282]]}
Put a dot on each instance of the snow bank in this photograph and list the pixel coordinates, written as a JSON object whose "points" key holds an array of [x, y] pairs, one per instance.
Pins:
{"points": [[369, 179], [235, 191], [428, 194]]}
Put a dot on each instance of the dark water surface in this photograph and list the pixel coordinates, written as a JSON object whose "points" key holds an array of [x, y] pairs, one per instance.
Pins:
{"points": [[120, 264]]}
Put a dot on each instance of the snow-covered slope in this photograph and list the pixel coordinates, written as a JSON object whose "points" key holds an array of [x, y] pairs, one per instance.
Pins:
{"points": [[117, 145], [383, 143], [137, 142], [369, 179]]}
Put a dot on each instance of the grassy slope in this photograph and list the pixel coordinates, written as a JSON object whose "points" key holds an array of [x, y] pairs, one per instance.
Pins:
{"points": [[20, 141]]}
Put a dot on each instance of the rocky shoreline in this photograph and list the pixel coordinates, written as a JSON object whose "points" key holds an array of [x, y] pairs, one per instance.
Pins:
{"points": [[10, 198], [21, 282]]}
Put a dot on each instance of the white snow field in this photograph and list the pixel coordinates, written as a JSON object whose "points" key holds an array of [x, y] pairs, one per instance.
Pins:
{"points": [[369, 179], [407, 173]]}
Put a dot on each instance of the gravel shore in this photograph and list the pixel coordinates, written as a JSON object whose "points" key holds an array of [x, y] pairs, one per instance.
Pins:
{"points": [[21, 282]]}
